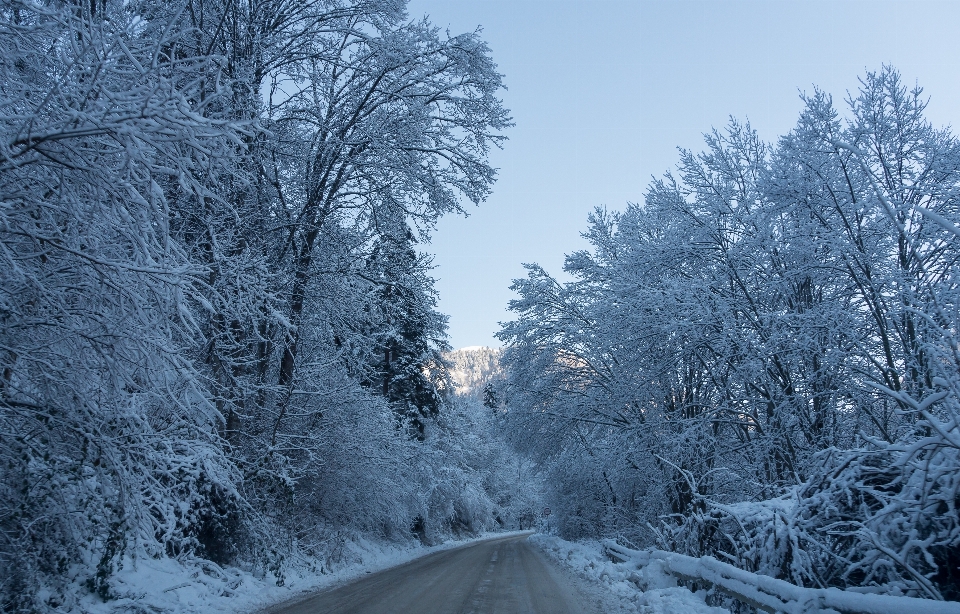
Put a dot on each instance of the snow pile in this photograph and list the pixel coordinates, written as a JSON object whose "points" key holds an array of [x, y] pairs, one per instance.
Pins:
{"points": [[647, 589], [769, 593]]}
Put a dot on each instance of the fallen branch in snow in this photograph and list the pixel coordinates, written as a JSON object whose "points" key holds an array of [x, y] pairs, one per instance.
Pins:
{"points": [[772, 595]]}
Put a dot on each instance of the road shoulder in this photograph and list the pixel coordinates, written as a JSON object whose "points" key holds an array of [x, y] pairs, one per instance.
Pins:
{"points": [[618, 588]]}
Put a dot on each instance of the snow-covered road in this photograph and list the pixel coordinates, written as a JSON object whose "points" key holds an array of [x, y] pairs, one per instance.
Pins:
{"points": [[501, 575]]}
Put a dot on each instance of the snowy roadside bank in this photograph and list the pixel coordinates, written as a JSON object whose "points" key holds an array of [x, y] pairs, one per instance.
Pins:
{"points": [[167, 586], [647, 590]]}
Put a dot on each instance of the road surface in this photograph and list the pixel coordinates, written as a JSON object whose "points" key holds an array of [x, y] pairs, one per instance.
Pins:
{"points": [[506, 575]]}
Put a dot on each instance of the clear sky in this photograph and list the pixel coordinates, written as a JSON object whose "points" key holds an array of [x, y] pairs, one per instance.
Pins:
{"points": [[604, 91]]}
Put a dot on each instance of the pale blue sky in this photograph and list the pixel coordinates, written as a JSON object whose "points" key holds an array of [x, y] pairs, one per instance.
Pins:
{"points": [[604, 91]]}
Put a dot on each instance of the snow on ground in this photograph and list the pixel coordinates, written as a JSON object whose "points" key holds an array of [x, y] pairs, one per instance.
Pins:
{"points": [[151, 586], [647, 590]]}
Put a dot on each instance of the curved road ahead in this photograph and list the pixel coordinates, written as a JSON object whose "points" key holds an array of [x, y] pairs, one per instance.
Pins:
{"points": [[506, 575]]}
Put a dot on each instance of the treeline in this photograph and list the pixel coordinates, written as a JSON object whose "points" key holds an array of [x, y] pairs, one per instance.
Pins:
{"points": [[760, 362], [217, 337]]}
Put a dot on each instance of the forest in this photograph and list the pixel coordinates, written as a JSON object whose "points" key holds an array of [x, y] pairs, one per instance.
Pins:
{"points": [[219, 341], [760, 361]]}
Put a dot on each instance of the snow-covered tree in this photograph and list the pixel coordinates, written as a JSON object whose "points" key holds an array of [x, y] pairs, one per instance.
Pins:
{"points": [[770, 316], [409, 334], [108, 443], [207, 222]]}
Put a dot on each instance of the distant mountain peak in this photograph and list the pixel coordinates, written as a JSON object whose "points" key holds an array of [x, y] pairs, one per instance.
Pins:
{"points": [[473, 367]]}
